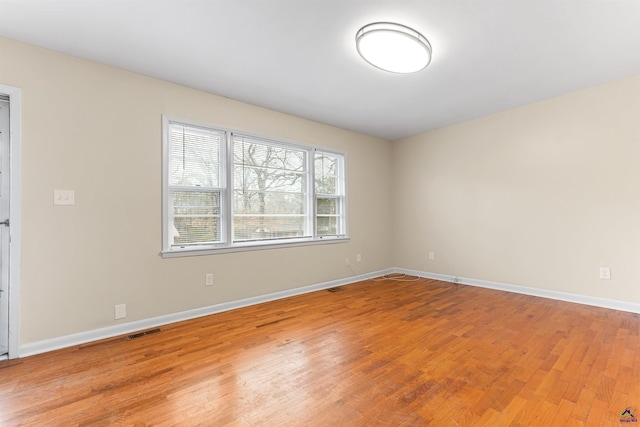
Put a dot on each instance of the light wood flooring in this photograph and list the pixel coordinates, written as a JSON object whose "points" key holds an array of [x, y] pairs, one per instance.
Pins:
{"points": [[375, 353]]}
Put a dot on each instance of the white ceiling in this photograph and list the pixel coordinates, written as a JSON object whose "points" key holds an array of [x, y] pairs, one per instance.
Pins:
{"points": [[299, 56]]}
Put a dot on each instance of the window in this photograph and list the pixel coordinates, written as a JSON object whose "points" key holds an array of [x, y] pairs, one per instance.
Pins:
{"points": [[195, 185], [228, 191], [329, 194]]}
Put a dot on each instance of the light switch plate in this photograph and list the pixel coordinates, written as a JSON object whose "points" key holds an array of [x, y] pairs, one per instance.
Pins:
{"points": [[605, 273], [64, 197]]}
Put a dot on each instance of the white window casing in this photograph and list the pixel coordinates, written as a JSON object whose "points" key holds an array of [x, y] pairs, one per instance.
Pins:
{"points": [[227, 191]]}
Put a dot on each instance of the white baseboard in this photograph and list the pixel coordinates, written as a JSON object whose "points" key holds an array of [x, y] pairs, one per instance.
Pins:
{"points": [[126, 328], [543, 293], [57, 343]]}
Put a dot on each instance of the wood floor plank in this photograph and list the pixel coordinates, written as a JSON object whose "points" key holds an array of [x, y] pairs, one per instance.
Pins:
{"points": [[373, 353]]}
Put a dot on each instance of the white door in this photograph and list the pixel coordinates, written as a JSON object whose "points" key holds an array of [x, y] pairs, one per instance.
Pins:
{"points": [[4, 226]]}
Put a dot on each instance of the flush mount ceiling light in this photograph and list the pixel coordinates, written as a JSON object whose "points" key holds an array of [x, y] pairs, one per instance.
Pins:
{"points": [[393, 47]]}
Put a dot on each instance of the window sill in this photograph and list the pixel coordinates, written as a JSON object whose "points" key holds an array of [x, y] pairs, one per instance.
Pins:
{"points": [[252, 247]]}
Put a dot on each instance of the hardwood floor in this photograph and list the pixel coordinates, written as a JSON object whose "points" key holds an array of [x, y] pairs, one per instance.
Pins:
{"points": [[374, 353]]}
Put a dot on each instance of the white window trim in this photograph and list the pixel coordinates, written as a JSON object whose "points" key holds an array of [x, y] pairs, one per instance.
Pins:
{"points": [[227, 210]]}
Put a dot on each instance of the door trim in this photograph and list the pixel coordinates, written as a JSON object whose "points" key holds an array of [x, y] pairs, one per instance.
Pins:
{"points": [[15, 201]]}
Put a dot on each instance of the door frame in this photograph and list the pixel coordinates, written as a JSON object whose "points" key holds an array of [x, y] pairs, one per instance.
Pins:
{"points": [[15, 203]]}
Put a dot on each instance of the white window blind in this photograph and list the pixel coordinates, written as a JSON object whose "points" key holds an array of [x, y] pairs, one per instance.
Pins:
{"points": [[195, 191]]}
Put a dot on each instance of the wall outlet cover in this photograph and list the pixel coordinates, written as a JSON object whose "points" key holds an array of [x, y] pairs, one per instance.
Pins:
{"points": [[120, 311], [64, 197]]}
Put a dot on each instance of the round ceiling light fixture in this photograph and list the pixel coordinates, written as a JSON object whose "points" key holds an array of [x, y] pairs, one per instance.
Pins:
{"points": [[393, 47]]}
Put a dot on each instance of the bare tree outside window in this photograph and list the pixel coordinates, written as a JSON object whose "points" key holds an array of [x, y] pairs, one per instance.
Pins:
{"points": [[269, 191]]}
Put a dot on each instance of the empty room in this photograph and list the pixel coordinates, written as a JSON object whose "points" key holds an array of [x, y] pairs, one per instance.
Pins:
{"points": [[319, 213]]}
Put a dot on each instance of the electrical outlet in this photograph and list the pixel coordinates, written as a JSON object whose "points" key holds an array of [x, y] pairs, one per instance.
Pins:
{"points": [[64, 197], [208, 279], [120, 311], [605, 273], [346, 262], [432, 256], [358, 258]]}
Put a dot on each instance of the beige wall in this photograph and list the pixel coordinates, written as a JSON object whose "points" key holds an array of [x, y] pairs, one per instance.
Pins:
{"points": [[97, 130], [539, 196]]}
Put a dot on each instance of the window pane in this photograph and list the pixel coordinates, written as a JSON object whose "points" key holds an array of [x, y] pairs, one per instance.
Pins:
{"points": [[196, 203], [252, 152], [327, 173], [195, 230], [328, 181], [196, 217], [267, 227], [326, 206], [255, 179], [195, 156], [251, 202], [270, 196], [327, 225]]}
